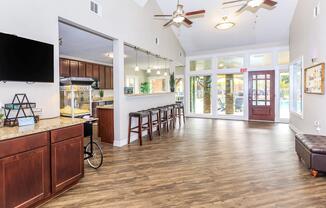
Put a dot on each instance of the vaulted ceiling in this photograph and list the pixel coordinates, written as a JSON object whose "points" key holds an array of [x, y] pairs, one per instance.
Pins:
{"points": [[263, 27]]}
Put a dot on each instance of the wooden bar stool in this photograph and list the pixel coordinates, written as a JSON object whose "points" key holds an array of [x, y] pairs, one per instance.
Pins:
{"points": [[164, 117], [155, 120], [171, 115], [180, 112], [141, 126]]}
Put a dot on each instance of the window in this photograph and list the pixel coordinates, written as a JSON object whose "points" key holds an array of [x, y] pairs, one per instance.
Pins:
{"points": [[179, 89], [230, 97], [283, 58], [230, 62], [296, 87], [199, 65], [264, 59], [200, 94], [284, 95]]}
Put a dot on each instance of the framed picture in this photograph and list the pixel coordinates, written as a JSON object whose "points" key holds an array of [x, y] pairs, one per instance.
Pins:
{"points": [[314, 79]]}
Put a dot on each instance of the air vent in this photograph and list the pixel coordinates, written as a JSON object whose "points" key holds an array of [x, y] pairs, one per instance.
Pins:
{"points": [[95, 8]]}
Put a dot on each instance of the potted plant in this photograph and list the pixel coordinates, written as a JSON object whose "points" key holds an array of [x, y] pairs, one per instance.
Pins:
{"points": [[172, 82], [144, 87], [101, 93], [2, 117]]}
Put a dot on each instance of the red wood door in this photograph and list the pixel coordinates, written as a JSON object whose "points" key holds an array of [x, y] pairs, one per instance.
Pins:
{"points": [[262, 95]]}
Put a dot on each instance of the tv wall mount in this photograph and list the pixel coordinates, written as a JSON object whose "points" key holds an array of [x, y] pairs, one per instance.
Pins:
{"points": [[20, 107]]}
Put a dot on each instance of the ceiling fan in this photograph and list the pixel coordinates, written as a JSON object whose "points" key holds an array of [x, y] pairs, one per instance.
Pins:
{"points": [[180, 16], [252, 4]]}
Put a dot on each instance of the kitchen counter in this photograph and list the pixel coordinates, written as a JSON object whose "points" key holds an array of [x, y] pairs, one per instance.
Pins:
{"points": [[41, 126], [97, 100], [108, 107]]}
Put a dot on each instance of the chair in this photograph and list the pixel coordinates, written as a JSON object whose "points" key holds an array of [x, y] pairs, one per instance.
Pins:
{"points": [[141, 125], [155, 120]]}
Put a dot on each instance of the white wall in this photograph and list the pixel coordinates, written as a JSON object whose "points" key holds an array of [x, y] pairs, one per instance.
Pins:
{"points": [[124, 20], [308, 39]]}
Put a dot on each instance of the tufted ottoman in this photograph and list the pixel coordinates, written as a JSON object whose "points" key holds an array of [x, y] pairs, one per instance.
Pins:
{"points": [[311, 150]]}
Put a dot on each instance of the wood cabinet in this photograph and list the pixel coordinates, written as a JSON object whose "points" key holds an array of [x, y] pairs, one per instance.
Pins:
{"points": [[24, 171], [35, 168], [102, 77], [108, 77], [64, 68], [81, 69], [66, 143], [106, 124], [74, 68]]}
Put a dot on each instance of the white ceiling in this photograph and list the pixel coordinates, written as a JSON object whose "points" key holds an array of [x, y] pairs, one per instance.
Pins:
{"points": [[272, 26], [84, 45]]}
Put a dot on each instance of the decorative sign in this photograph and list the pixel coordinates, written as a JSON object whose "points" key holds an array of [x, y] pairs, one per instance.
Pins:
{"points": [[314, 79], [26, 121], [243, 70]]}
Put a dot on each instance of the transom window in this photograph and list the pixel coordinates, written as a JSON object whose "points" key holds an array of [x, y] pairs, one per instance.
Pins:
{"points": [[230, 62], [263, 59], [200, 65]]}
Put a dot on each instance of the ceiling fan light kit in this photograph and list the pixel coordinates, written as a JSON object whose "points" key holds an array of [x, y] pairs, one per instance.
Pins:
{"points": [[255, 3]]}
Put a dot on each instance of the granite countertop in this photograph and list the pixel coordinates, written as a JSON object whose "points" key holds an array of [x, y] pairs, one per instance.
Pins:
{"points": [[107, 99], [41, 126], [109, 107]]}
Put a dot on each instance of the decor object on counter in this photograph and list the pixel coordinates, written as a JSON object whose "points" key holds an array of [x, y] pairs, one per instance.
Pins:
{"points": [[172, 82], [20, 105], [314, 79], [144, 88], [129, 90], [101, 93]]}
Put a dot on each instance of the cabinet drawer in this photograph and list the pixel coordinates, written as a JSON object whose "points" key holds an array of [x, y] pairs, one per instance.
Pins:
{"points": [[67, 133], [23, 144]]}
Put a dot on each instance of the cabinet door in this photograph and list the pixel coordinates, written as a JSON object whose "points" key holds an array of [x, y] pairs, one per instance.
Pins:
{"points": [[96, 72], [107, 78], [64, 68], [111, 78], [89, 70], [73, 68], [25, 178], [67, 161], [102, 77], [81, 69]]}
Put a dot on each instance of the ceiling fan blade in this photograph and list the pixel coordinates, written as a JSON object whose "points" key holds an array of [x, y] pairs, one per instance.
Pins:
{"points": [[270, 3], [232, 2], [242, 8], [162, 15], [195, 12], [168, 23], [187, 21]]}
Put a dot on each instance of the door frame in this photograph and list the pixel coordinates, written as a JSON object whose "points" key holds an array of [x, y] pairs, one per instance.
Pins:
{"points": [[273, 97]]}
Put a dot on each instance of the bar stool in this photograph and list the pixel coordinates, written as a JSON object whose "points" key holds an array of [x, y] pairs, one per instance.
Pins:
{"points": [[171, 115], [155, 120], [180, 112], [164, 117], [141, 126]]}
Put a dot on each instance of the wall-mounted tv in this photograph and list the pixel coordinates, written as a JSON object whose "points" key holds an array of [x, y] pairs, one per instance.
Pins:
{"points": [[25, 60]]}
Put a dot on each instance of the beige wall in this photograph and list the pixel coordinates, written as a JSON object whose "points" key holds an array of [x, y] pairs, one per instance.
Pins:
{"points": [[308, 39], [122, 19]]}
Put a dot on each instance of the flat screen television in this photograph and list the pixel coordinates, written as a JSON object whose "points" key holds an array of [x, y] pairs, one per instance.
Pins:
{"points": [[25, 60]]}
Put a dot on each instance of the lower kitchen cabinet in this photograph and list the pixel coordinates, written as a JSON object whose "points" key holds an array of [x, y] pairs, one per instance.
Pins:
{"points": [[25, 175], [67, 163], [37, 167]]}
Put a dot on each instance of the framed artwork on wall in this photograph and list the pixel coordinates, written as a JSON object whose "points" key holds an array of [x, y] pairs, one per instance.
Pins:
{"points": [[314, 79]]}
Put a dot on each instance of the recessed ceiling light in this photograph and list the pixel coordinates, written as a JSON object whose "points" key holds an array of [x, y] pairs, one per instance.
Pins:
{"points": [[110, 55], [225, 24]]}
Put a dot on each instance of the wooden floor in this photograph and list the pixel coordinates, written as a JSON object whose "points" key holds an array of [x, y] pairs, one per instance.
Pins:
{"points": [[207, 163]]}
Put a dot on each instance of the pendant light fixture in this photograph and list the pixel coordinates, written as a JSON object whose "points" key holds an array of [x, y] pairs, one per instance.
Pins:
{"points": [[225, 24], [158, 65], [148, 63], [136, 67], [165, 73]]}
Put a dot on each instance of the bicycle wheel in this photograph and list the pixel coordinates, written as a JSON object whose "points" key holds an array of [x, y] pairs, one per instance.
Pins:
{"points": [[97, 159]]}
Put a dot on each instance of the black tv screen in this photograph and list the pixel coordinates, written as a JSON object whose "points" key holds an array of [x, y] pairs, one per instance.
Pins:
{"points": [[25, 60]]}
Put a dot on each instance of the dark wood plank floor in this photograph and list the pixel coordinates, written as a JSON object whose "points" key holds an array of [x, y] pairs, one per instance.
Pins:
{"points": [[207, 163]]}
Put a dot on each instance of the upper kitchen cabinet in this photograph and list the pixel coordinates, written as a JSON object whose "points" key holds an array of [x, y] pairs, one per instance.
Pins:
{"points": [[64, 68], [89, 70], [81, 69], [96, 72], [108, 77], [102, 77], [74, 68]]}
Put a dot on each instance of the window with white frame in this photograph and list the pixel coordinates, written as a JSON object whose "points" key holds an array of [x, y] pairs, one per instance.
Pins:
{"points": [[230, 62], [262, 59], [200, 65], [296, 83]]}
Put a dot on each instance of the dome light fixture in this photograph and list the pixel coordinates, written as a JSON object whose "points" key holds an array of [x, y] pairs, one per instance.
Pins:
{"points": [[255, 3], [225, 24]]}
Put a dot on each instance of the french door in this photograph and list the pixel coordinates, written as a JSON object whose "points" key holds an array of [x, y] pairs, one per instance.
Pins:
{"points": [[261, 98]]}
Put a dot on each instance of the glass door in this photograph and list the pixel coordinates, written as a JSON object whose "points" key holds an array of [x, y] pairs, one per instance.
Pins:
{"points": [[284, 102], [200, 94]]}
